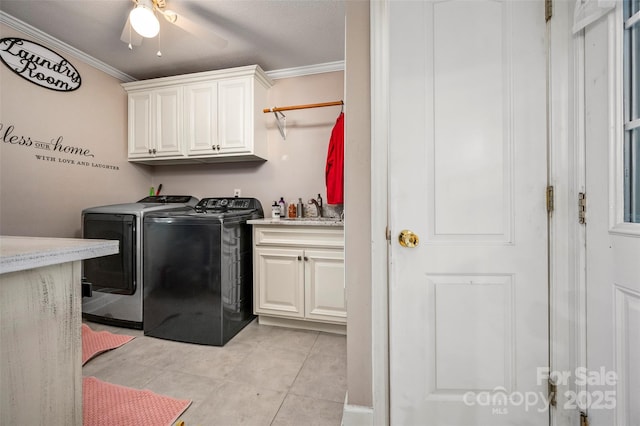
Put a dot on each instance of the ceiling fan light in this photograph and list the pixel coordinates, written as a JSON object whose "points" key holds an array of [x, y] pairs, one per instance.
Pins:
{"points": [[143, 20]]}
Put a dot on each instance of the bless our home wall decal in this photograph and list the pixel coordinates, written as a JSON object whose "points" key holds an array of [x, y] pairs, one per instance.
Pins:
{"points": [[39, 65], [55, 146]]}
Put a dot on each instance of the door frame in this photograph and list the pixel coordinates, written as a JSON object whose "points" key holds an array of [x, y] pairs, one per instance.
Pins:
{"points": [[567, 255], [566, 174], [379, 50]]}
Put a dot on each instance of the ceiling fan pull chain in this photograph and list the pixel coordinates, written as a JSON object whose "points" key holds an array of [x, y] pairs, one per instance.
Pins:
{"points": [[159, 54], [130, 46]]}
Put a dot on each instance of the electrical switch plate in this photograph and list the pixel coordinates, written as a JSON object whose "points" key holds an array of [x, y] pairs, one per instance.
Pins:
{"points": [[236, 193]]}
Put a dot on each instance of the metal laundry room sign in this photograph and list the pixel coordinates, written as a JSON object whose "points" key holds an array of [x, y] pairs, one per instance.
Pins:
{"points": [[39, 64]]}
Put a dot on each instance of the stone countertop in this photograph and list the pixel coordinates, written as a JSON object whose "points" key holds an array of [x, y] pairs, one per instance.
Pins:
{"points": [[22, 253], [302, 221]]}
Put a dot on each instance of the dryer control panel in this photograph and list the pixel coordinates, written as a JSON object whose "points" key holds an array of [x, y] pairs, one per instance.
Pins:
{"points": [[224, 204]]}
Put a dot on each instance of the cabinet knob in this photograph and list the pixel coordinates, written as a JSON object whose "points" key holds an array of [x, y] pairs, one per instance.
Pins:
{"points": [[306, 258], [299, 257], [149, 150], [218, 147], [154, 150]]}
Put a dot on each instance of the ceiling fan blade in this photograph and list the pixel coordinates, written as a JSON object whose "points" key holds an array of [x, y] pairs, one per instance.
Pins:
{"points": [[128, 35], [195, 29]]}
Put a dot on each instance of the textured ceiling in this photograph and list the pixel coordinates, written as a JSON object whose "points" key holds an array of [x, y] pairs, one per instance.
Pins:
{"points": [[275, 34]]}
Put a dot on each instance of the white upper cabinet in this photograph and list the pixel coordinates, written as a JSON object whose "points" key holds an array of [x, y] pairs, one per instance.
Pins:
{"points": [[168, 121], [201, 125], [214, 116], [140, 131], [155, 124], [235, 116]]}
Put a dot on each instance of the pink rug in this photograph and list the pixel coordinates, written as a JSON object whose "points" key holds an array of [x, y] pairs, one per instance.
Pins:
{"points": [[105, 404], [96, 342]]}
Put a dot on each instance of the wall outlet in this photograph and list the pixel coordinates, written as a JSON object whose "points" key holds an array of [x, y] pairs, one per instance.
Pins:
{"points": [[236, 192]]}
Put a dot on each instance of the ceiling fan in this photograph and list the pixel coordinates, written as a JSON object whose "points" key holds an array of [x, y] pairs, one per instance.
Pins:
{"points": [[143, 23]]}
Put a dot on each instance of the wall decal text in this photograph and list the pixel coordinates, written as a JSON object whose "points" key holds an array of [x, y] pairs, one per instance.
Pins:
{"points": [[56, 145]]}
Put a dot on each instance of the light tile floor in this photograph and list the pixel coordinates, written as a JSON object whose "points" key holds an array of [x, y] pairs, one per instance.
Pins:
{"points": [[264, 376]]}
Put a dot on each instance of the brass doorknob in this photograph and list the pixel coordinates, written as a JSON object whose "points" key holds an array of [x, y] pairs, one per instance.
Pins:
{"points": [[408, 239]]}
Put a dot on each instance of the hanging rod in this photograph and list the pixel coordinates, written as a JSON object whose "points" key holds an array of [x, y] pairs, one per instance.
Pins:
{"points": [[289, 108]]}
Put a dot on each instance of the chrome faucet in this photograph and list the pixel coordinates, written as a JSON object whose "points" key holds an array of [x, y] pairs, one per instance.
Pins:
{"points": [[318, 206]]}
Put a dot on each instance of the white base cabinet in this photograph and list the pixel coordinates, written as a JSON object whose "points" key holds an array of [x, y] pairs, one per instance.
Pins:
{"points": [[213, 116], [299, 277], [325, 292]]}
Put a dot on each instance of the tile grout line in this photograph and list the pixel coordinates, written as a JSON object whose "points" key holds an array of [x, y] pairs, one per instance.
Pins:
{"points": [[295, 378], [248, 349]]}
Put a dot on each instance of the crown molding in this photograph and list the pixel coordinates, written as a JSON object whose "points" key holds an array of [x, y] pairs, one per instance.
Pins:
{"points": [[306, 70], [45, 38]]}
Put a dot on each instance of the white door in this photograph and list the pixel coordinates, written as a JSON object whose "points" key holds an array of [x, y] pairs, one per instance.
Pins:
{"points": [[612, 392], [468, 172]]}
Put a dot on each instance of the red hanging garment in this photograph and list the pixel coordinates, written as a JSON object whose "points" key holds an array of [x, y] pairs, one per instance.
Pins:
{"points": [[334, 172]]}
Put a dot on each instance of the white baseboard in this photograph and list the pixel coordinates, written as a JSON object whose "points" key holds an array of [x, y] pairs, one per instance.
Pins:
{"points": [[303, 324], [356, 415]]}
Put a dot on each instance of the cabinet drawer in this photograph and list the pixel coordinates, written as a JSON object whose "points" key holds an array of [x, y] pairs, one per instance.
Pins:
{"points": [[296, 236]]}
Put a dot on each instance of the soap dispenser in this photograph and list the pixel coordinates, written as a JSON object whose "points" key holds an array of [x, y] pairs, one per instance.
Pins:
{"points": [[275, 210], [283, 207], [300, 210]]}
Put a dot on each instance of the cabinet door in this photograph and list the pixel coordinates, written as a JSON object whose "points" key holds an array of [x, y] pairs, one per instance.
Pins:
{"points": [[279, 282], [325, 295], [201, 118], [168, 121], [140, 130], [235, 115]]}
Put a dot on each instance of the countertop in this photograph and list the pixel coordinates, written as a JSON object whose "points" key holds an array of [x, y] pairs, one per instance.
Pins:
{"points": [[22, 253], [303, 221]]}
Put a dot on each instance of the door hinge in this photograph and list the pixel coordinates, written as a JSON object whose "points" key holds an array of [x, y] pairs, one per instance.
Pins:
{"points": [[582, 208], [553, 391], [549, 199], [584, 419], [548, 10], [387, 233]]}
